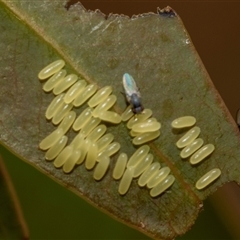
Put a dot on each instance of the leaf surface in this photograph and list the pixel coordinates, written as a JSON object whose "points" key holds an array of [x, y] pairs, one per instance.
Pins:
{"points": [[157, 51], [12, 224]]}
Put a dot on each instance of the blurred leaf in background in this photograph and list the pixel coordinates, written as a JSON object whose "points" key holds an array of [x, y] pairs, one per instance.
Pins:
{"points": [[13, 225], [53, 212]]}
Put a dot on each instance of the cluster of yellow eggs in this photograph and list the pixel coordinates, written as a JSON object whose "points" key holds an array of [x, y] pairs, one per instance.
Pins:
{"points": [[192, 148], [94, 147]]}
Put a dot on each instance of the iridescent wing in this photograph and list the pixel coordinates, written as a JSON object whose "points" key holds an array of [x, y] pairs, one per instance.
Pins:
{"points": [[130, 86]]}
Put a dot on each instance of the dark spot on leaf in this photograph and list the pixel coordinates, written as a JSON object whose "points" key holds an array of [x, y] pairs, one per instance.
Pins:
{"points": [[164, 37], [112, 63], [137, 66], [166, 12]]}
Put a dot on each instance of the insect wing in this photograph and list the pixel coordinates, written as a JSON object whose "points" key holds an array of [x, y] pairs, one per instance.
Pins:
{"points": [[130, 86]]}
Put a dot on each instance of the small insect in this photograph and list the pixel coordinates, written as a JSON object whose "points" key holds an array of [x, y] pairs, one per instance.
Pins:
{"points": [[132, 93]]}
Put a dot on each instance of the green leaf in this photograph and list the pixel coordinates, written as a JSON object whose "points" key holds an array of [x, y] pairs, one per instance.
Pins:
{"points": [[12, 225], [157, 51]]}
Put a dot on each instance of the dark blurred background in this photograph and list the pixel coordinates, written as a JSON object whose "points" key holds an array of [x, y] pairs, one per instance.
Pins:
{"points": [[52, 212]]}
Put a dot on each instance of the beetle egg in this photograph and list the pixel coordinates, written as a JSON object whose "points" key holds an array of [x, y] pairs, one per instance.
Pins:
{"points": [[51, 139], [63, 156], [100, 96], [134, 134], [84, 147], [82, 119], [162, 186], [56, 148], [120, 166], [148, 174], [137, 118], [125, 181], [50, 69], [145, 137], [68, 81], [77, 141], [90, 125], [76, 89], [67, 121], [146, 127], [202, 153], [71, 161], [101, 167], [84, 95], [142, 165], [91, 156], [160, 175], [111, 149], [127, 114], [109, 116], [188, 137], [54, 80], [105, 105], [97, 133], [191, 148], [208, 178], [138, 155], [182, 122], [104, 141], [61, 112], [54, 105]]}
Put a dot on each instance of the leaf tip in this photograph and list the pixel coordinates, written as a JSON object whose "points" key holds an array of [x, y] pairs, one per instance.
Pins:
{"points": [[166, 12]]}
